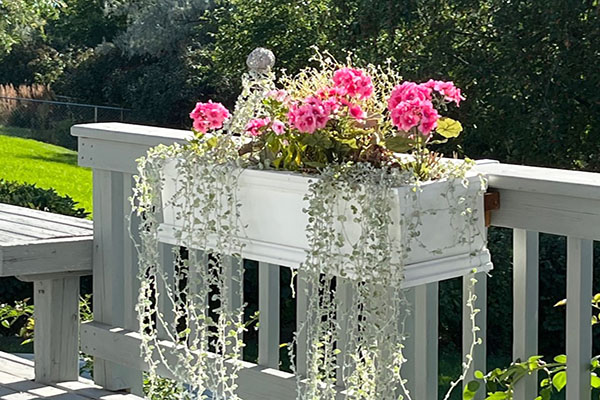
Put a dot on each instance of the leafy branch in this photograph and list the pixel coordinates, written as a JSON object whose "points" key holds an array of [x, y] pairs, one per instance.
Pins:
{"points": [[500, 382]]}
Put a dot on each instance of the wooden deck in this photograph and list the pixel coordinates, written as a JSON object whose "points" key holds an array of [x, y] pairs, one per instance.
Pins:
{"points": [[16, 383], [52, 251]]}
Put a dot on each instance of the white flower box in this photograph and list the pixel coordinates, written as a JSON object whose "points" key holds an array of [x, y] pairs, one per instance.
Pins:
{"points": [[271, 212]]}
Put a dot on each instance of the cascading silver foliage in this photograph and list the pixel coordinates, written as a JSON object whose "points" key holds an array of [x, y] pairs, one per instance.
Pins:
{"points": [[354, 298]]}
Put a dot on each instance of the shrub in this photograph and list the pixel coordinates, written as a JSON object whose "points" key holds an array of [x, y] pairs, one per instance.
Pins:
{"points": [[31, 196]]}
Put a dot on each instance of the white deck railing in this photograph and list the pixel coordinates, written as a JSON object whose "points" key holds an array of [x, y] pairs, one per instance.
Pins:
{"points": [[532, 200]]}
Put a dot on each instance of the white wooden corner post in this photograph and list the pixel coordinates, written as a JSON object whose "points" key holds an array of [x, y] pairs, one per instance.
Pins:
{"points": [[111, 149], [109, 272]]}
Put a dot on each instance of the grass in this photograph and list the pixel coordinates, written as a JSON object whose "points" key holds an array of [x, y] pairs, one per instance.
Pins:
{"points": [[46, 165]]}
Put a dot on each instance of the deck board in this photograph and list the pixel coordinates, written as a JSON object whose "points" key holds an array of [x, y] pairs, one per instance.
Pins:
{"points": [[35, 243], [44, 216], [16, 383]]}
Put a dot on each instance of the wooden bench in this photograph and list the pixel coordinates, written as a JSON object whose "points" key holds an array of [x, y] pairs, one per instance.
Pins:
{"points": [[52, 251]]}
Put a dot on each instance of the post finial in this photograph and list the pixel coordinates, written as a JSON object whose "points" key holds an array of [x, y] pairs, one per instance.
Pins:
{"points": [[260, 60]]}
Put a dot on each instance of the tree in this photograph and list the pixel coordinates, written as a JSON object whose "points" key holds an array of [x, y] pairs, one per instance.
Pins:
{"points": [[157, 27], [20, 19]]}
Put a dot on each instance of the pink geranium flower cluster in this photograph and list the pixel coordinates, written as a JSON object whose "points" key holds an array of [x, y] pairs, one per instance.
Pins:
{"points": [[410, 106], [209, 116], [313, 113], [446, 89], [256, 127], [353, 82], [310, 115]]}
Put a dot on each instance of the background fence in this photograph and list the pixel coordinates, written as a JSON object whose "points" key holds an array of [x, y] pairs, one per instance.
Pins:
{"points": [[50, 121]]}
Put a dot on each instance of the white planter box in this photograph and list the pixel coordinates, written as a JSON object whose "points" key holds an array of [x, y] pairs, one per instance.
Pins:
{"points": [[271, 210]]}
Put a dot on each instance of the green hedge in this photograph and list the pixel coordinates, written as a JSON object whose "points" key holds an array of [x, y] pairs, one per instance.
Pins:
{"points": [[31, 196]]}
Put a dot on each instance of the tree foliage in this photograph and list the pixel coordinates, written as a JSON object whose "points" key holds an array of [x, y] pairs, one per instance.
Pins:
{"points": [[157, 27], [20, 19]]}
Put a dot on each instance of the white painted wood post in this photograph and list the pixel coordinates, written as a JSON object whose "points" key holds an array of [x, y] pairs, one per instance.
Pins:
{"points": [[56, 344], [108, 273], [268, 317], [409, 368], [233, 269], [344, 295], [131, 283], [525, 306], [421, 348], [301, 316], [579, 316], [480, 354], [166, 284], [130, 258], [426, 343]]}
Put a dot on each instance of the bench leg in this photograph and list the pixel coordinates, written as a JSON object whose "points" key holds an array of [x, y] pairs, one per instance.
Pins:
{"points": [[56, 341]]}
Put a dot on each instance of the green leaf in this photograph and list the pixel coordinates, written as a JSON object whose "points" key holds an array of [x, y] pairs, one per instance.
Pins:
{"points": [[595, 381], [498, 396], [5, 324], [398, 144], [478, 374], [559, 381], [471, 390], [561, 359], [448, 128]]}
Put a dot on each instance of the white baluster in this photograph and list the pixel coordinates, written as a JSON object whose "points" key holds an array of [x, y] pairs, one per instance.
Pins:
{"points": [[479, 355], [525, 306], [268, 306], [579, 316]]}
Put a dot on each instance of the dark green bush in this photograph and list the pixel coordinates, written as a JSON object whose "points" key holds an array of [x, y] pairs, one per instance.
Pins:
{"points": [[31, 196]]}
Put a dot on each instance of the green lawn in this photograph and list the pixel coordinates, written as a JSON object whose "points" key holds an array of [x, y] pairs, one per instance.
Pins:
{"points": [[46, 165]]}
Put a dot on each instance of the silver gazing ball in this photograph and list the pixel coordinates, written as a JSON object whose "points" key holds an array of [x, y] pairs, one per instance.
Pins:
{"points": [[260, 60]]}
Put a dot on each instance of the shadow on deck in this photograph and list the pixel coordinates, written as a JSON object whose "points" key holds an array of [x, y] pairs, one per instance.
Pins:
{"points": [[16, 383]]}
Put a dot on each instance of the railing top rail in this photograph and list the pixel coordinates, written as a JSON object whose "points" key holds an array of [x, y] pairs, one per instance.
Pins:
{"points": [[501, 176], [64, 103], [543, 180], [130, 133]]}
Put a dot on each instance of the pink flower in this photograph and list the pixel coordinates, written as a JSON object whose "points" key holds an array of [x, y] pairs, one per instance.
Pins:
{"points": [[357, 112], [254, 125], [429, 118], [309, 116], [332, 105], [446, 89], [406, 115], [408, 91], [353, 82], [280, 95], [208, 116], [278, 127], [411, 113]]}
